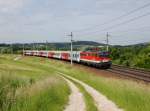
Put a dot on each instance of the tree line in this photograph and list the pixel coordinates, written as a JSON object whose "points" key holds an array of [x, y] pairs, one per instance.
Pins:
{"points": [[131, 56]]}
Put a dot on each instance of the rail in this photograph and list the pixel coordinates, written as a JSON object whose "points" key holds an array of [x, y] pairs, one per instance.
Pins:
{"points": [[131, 72]]}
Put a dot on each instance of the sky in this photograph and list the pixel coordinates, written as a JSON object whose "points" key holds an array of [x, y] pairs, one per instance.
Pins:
{"points": [[23, 21]]}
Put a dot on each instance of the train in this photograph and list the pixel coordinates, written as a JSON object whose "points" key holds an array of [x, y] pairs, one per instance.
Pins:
{"points": [[98, 59]]}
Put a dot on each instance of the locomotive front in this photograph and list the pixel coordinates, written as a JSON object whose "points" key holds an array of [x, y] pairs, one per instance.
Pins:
{"points": [[105, 60], [99, 59]]}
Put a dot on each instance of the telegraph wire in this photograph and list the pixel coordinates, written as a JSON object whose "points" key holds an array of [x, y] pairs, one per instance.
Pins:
{"points": [[134, 29], [122, 23], [124, 31], [102, 36], [118, 35], [117, 18]]}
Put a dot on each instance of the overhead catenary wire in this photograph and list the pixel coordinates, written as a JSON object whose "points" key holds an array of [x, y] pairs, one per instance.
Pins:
{"points": [[133, 29], [119, 24], [122, 31], [123, 35], [119, 35], [115, 19], [116, 25]]}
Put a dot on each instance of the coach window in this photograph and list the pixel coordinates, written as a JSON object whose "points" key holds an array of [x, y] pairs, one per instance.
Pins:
{"points": [[76, 55], [82, 54]]}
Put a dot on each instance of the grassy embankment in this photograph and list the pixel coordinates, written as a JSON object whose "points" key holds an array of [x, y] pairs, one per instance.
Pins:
{"points": [[29, 86], [129, 95]]}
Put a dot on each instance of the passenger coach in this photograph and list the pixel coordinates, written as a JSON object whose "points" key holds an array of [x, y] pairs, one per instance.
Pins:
{"points": [[99, 59]]}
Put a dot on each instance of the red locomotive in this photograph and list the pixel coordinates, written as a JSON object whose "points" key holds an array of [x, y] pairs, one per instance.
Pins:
{"points": [[99, 59]]}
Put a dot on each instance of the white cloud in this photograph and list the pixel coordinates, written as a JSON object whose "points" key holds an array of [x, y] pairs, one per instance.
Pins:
{"points": [[7, 6], [32, 20]]}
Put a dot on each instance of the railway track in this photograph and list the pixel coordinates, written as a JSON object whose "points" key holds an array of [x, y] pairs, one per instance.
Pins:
{"points": [[136, 74], [131, 72]]}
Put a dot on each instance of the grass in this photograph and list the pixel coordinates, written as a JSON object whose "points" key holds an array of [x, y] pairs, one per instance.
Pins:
{"points": [[8, 88], [129, 95], [43, 99], [26, 85]]}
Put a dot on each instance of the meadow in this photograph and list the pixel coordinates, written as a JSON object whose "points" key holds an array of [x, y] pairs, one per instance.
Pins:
{"points": [[27, 86], [33, 84]]}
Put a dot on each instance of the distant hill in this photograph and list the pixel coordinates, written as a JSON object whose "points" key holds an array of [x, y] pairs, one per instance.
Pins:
{"points": [[92, 43], [66, 45], [134, 45], [141, 44], [77, 45]]}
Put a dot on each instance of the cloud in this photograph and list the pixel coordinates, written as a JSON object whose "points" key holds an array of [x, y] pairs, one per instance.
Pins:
{"points": [[7, 6], [32, 20]]}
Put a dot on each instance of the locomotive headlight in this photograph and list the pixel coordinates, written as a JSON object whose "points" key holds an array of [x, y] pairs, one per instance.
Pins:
{"points": [[105, 60]]}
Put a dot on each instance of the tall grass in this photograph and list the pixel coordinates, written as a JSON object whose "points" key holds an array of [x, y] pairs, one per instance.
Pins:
{"points": [[30, 86], [8, 87], [43, 97]]}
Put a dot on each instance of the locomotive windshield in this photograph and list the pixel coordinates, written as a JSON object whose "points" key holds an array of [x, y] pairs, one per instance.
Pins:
{"points": [[104, 54]]}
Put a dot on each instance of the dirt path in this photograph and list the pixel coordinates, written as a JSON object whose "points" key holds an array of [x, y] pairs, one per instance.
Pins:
{"points": [[17, 58], [76, 100], [101, 101]]}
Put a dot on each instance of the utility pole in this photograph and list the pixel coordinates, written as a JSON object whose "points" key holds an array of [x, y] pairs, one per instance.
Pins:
{"points": [[23, 48], [33, 47], [46, 45], [107, 40], [71, 36], [11, 48]]}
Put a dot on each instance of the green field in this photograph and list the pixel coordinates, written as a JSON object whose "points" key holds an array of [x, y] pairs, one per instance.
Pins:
{"points": [[32, 84], [29, 86]]}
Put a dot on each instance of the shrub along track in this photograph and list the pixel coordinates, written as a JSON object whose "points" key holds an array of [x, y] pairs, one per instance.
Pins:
{"points": [[100, 101]]}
